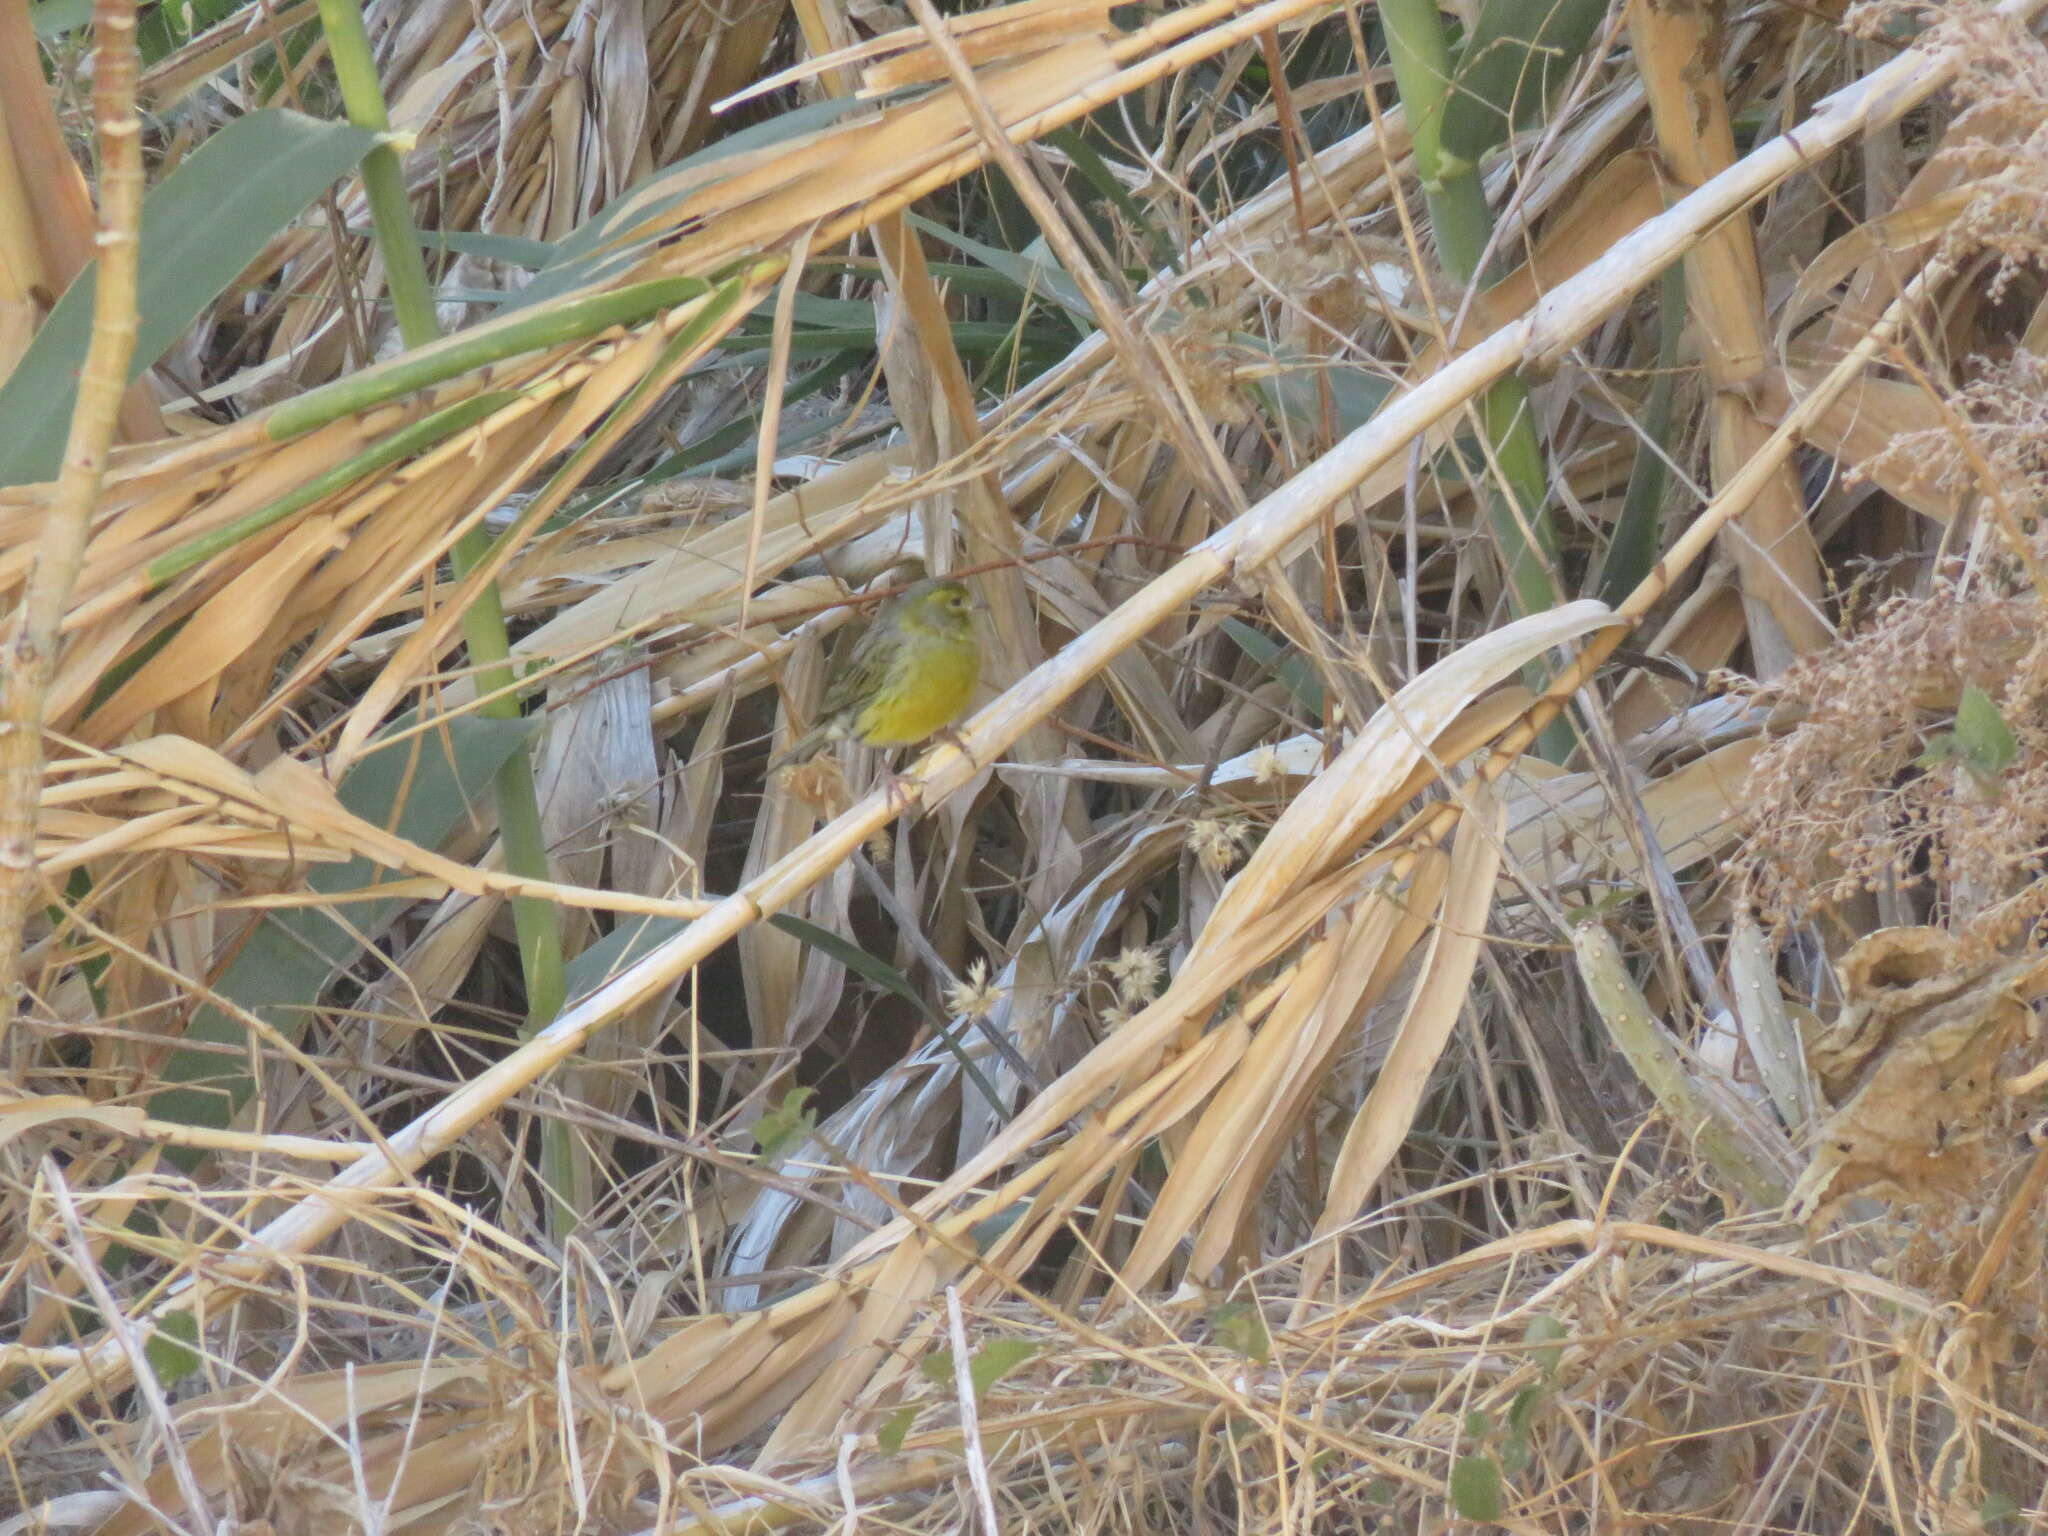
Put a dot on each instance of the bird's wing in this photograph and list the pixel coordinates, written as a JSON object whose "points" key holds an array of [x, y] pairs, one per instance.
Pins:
{"points": [[860, 677]]}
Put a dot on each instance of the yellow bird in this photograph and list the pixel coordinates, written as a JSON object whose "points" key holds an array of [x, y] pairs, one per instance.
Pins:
{"points": [[909, 676]]}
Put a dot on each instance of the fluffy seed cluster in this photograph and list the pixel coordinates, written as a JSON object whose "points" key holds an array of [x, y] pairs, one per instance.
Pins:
{"points": [[1136, 973], [1998, 141], [1866, 789], [1997, 446], [1216, 842], [973, 995]]}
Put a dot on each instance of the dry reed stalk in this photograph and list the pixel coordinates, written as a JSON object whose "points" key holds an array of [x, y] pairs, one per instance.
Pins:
{"points": [[251, 809], [61, 231], [1074, 1168], [1145, 363], [1369, 1384], [113, 594], [1772, 546], [1266, 527], [603, 412], [1264, 533], [1382, 1121], [54, 238], [132, 1123], [60, 550], [235, 36]]}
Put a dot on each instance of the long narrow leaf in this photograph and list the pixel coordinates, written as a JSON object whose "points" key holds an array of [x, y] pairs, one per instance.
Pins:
{"points": [[201, 227]]}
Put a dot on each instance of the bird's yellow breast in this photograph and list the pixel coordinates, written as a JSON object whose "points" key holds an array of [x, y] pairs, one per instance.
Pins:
{"points": [[929, 684]]}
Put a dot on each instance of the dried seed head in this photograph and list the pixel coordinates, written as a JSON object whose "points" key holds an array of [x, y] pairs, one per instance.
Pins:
{"points": [[974, 996], [1266, 765], [1217, 843], [1136, 973]]}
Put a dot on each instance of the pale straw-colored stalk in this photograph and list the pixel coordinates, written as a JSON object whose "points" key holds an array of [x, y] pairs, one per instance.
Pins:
{"points": [[1541, 338], [31, 651]]}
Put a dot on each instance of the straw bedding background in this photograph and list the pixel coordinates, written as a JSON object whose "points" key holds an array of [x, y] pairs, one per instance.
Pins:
{"points": [[1474, 964]]}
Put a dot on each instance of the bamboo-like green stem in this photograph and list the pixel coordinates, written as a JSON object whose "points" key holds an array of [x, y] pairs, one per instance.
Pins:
{"points": [[570, 318], [1632, 547], [483, 623], [1655, 1055], [1421, 56], [1518, 490], [405, 268], [1463, 225], [400, 445]]}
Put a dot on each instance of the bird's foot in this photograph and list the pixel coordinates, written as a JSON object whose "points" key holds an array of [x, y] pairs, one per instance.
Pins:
{"points": [[901, 802]]}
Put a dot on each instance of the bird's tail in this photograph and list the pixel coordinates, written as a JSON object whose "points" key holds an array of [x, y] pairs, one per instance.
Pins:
{"points": [[806, 747]]}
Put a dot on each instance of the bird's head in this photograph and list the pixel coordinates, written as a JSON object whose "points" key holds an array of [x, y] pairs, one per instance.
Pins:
{"points": [[938, 608]]}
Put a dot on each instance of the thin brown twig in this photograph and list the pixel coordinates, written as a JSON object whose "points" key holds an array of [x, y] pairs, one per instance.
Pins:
{"points": [[1555, 328]]}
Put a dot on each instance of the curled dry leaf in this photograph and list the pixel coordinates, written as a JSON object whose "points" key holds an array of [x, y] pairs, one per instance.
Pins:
{"points": [[1915, 1065]]}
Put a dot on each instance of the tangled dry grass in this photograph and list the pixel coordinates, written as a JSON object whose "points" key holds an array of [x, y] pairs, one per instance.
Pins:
{"points": [[1333, 1048]]}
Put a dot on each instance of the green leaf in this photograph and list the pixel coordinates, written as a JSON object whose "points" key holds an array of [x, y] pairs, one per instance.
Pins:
{"points": [[1632, 544], [1159, 250], [1030, 274], [855, 959], [1942, 747], [1283, 661], [883, 974], [1521, 1418], [733, 445], [512, 250], [971, 338], [1478, 1426], [626, 945], [1998, 1506], [1987, 742], [1292, 387], [1475, 1488], [1544, 1333], [172, 1351], [53, 18], [1602, 907], [889, 1438], [989, 1231], [1241, 1327], [1517, 55], [170, 24], [201, 226], [995, 1360], [509, 250], [786, 1125], [421, 788]]}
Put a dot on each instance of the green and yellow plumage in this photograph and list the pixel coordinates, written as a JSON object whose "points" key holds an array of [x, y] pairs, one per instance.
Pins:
{"points": [[911, 674]]}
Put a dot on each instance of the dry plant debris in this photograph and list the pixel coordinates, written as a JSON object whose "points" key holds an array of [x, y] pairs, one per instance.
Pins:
{"points": [[1918, 1065], [1189, 1116]]}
